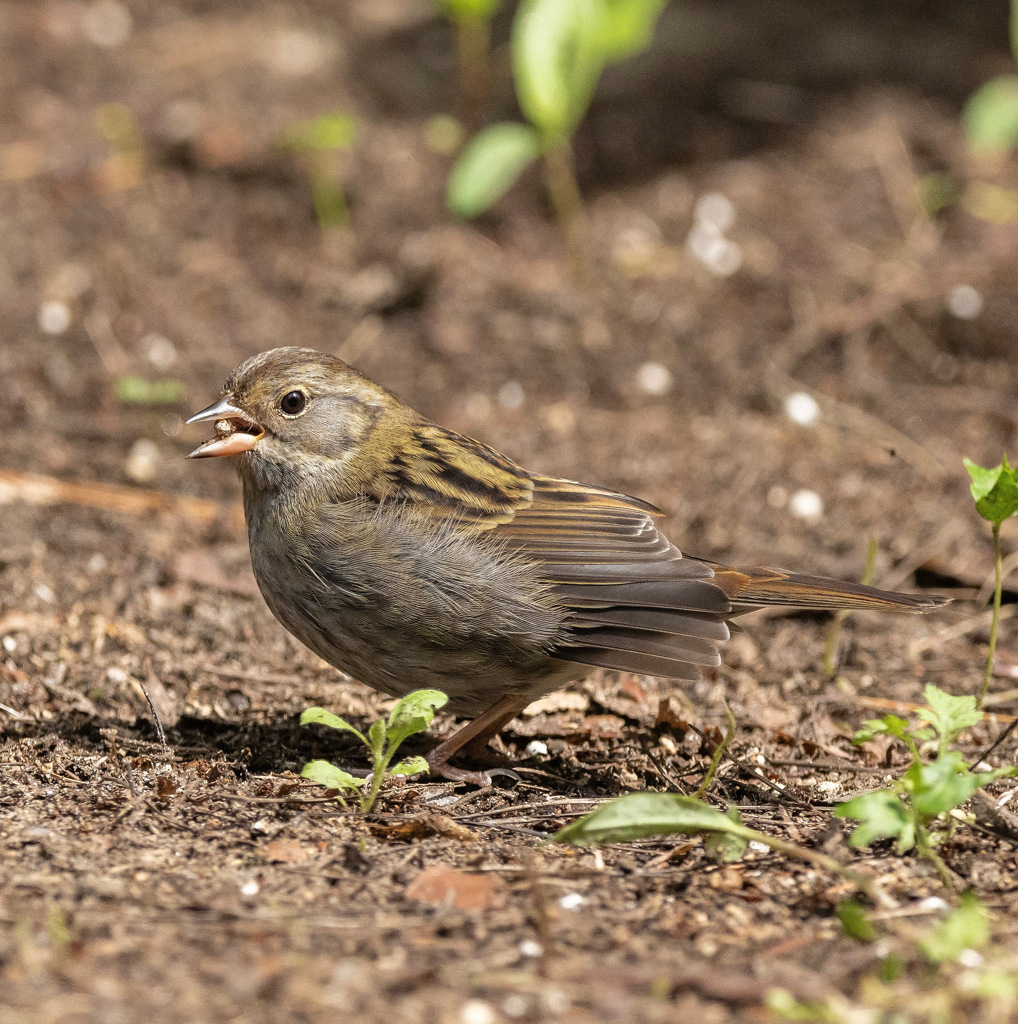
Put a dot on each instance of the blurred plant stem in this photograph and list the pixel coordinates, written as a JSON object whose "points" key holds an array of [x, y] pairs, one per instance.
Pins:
{"points": [[566, 201], [997, 586], [473, 40]]}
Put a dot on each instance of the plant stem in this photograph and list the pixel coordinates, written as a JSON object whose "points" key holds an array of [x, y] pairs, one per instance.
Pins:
{"points": [[567, 202], [996, 615], [473, 40], [377, 778], [719, 753], [830, 648], [925, 848]]}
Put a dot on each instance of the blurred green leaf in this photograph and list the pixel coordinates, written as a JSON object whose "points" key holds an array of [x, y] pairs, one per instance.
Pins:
{"points": [[556, 63], [881, 815], [966, 927], [319, 716], [137, 390], [640, 815], [459, 10], [626, 27], [330, 776], [725, 847], [855, 922], [889, 725], [995, 490], [489, 165], [326, 133], [990, 118]]}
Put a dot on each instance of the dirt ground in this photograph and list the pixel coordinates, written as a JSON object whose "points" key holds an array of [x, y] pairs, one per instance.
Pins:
{"points": [[201, 881]]}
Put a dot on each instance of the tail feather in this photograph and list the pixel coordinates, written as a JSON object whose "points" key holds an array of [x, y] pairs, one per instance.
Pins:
{"points": [[757, 588]]}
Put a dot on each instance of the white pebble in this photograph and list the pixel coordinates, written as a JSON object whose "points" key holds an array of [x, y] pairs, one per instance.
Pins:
{"points": [[934, 903], [476, 1011], [529, 947], [654, 378], [572, 901], [44, 593], [717, 253], [160, 351], [806, 504], [970, 958], [10, 644], [97, 562], [54, 317], [116, 675], [511, 395], [249, 888], [515, 1005], [716, 210], [536, 748], [964, 302], [802, 408], [107, 23], [758, 847], [142, 463]]}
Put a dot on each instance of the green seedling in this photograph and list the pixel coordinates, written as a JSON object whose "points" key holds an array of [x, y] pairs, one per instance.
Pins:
{"points": [[472, 20], [916, 809], [559, 49], [642, 815], [996, 496], [413, 714], [318, 143], [990, 119], [135, 390]]}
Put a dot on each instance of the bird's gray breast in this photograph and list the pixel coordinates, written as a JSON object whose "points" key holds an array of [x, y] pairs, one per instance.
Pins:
{"points": [[400, 602]]}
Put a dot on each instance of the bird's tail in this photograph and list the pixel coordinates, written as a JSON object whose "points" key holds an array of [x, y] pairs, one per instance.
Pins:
{"points": [[750, 588]]}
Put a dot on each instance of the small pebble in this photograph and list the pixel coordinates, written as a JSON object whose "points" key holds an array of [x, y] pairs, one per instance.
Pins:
{"points": [[964, 302], [802, 408], [142, 465], [572, 901], [806, 504], [10, 644], [529, 947], [54, 317], [511, 395], [44, 593], [476, 1011], [515, 1005], [970, 958], [107, 23], [654, 378], [249, 888], [716, 210], [536, 748]]}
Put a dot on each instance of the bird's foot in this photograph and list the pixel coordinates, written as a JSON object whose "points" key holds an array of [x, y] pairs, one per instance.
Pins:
{"points": [[439, 766]]}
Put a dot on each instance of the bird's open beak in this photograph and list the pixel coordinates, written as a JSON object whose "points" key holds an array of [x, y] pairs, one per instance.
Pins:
{"points": [[236, 432]]}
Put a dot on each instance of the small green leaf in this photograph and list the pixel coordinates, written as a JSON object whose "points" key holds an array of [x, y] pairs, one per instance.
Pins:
{"points": [[855, 923], [639, 815], [327, 133], [556, 62], [990, 118], [949, 715], [133, 389], [940, 786], [966, 927], [462, 10], [329, 776], [725, 847], [413, 714], [319, 716], [881, 815], [488, 167], [410, 766], [626, 27], [995, 490], [376, 738], [889, 725]]}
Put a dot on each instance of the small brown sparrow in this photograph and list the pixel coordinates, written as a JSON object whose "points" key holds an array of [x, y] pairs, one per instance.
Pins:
{"points": [[410, 556]]}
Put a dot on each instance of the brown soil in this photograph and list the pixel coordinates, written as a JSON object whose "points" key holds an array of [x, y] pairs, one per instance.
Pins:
{"points": [[201, 881]]}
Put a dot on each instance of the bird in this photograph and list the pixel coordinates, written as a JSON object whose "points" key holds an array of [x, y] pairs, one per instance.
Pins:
{"points": [[410, 556]]}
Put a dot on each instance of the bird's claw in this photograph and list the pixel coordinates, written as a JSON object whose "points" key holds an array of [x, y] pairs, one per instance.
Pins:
{"points": [[482, 779]]}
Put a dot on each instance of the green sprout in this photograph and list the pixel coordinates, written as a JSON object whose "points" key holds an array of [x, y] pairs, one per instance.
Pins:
{"points": [[996, 496], [916, 809], [413, 714], [559, 49], [990, 119], [317, 143], [472, 20]]}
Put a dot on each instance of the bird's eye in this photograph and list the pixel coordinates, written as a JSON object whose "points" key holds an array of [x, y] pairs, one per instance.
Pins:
{"points": [[293, 403]]}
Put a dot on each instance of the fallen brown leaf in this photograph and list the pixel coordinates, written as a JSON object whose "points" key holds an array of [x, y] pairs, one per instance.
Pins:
{"points": [[284, 851], [443, 886]]}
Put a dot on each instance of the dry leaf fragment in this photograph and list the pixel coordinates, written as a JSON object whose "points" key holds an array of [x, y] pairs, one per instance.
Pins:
{"points": [[284, 851], [443, 886]]}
